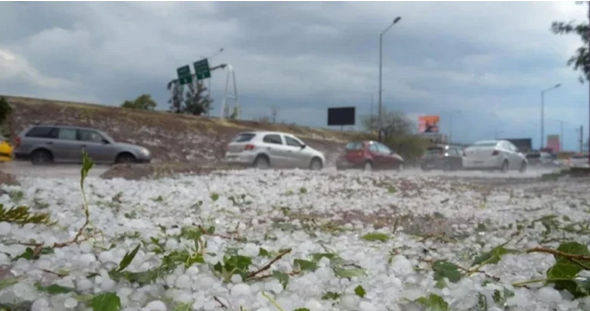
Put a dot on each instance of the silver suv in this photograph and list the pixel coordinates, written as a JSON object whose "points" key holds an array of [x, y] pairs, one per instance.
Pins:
{"points": [[272, 149], [54, 143]]}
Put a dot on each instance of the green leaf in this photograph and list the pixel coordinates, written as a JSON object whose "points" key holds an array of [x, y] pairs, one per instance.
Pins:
{"points": [[301, 309], [500, 297], [444, 269], [482, 302], [334, 258], [214, 196], [433, 303], [360, 291], [183, 307], [305, 265], [8, 282], [86, 166], [282, 277], [331, 295], [493, 256], [565, 268], [263, 253], [376, 236], [348, 273], [54, 289], [29, 254], [128, 258], [106, 302]]}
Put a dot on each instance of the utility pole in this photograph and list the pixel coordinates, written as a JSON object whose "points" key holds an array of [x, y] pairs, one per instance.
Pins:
{"points": [[581, 138], [561, 138], [397, 19]]}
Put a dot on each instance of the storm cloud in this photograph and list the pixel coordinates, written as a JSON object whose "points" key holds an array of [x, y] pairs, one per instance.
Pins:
{"points": [[484, 64]]}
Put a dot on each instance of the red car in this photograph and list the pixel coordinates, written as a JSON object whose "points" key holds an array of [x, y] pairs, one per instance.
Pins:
{"points": [[370, 155]]}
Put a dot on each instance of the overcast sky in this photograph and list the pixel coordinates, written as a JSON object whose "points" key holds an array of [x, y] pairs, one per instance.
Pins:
{"points": [[484, 64]]}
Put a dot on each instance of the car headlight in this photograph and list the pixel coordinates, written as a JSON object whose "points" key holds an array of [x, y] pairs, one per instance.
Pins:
{"points": [[144, 151]]}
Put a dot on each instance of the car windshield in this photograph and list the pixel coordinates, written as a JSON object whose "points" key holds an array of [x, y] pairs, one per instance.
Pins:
{"points": [[244, 137], [354, 146], [434, 151], [485, 144], [106, 136]]}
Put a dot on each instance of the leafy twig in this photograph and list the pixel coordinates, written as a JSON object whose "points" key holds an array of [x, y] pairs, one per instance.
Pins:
{"points": [[267, 266], [572, 257]]}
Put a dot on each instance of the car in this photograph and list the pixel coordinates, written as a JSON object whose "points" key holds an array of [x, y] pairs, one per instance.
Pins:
{"points": [[370, 155], [5, 149], [542, 158], [494, 154], [264, 150], [578, 160], [445, 157], [43, 144]]}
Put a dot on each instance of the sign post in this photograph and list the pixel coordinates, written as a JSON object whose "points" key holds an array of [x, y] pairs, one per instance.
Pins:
{"points": [[184, 75]]}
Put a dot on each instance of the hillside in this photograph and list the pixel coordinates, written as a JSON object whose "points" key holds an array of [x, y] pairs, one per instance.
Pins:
{"points": [[170, 137]]}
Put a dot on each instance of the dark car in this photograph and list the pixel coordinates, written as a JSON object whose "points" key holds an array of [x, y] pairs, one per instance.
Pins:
{"points": [[55, 143], [370, 155], [445, 157]]}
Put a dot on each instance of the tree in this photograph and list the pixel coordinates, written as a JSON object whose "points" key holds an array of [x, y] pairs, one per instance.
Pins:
{"points": [[580, 60], [144, 102], [196, 102], [177, 96], [394, 123], [4, 110]]}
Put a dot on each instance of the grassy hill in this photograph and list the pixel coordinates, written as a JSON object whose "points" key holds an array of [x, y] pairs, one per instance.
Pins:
{"points": [[169, 136]]}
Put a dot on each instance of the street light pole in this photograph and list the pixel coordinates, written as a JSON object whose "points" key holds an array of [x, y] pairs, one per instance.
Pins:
{"points": [[397, 19], [543, 113]]}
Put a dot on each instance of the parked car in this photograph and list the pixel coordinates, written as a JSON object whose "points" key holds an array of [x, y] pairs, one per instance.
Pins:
{"points": [[542, 158], [272, 149], [5, 150], [57, 143], [579, 160], [370, 155], [494, 154], [445, 157]]}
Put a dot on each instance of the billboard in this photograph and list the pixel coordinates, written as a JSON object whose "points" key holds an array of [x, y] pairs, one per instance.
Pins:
{"points": [[341, 116], [428, 124], [553, 142]]}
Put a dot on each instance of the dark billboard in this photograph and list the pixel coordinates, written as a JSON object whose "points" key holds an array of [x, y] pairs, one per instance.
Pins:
{"points": [[523, 144], [341, 116]]}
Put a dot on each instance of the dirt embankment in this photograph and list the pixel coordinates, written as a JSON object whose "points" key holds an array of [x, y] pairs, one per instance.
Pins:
{"points": [[170, 137]]}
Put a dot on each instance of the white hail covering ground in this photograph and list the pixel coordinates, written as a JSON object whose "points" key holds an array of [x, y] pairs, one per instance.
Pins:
{"points": [[309, 212]]}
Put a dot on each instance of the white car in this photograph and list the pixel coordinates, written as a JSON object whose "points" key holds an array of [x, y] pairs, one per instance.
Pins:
{"points": [[494, 154], [272, 149], [578, 160]]}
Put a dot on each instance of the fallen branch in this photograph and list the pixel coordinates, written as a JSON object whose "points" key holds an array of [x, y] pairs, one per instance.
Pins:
{"points": [[558, 253], [267, 266], [220, 303]]}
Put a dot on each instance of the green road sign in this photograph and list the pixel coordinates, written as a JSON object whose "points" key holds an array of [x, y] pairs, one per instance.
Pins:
{"points": [[184, 75], [202, 69]]}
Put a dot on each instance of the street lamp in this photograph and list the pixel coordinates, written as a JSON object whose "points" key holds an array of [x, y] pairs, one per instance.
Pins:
{"points": [[543, 113], [397, 19]]}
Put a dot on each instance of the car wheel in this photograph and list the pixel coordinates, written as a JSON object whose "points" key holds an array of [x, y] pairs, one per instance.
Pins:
{"points": [[41, 157], [316, 164], [368, 166], [504, 167], [261, 163], [125, 158], [523, 167]]}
